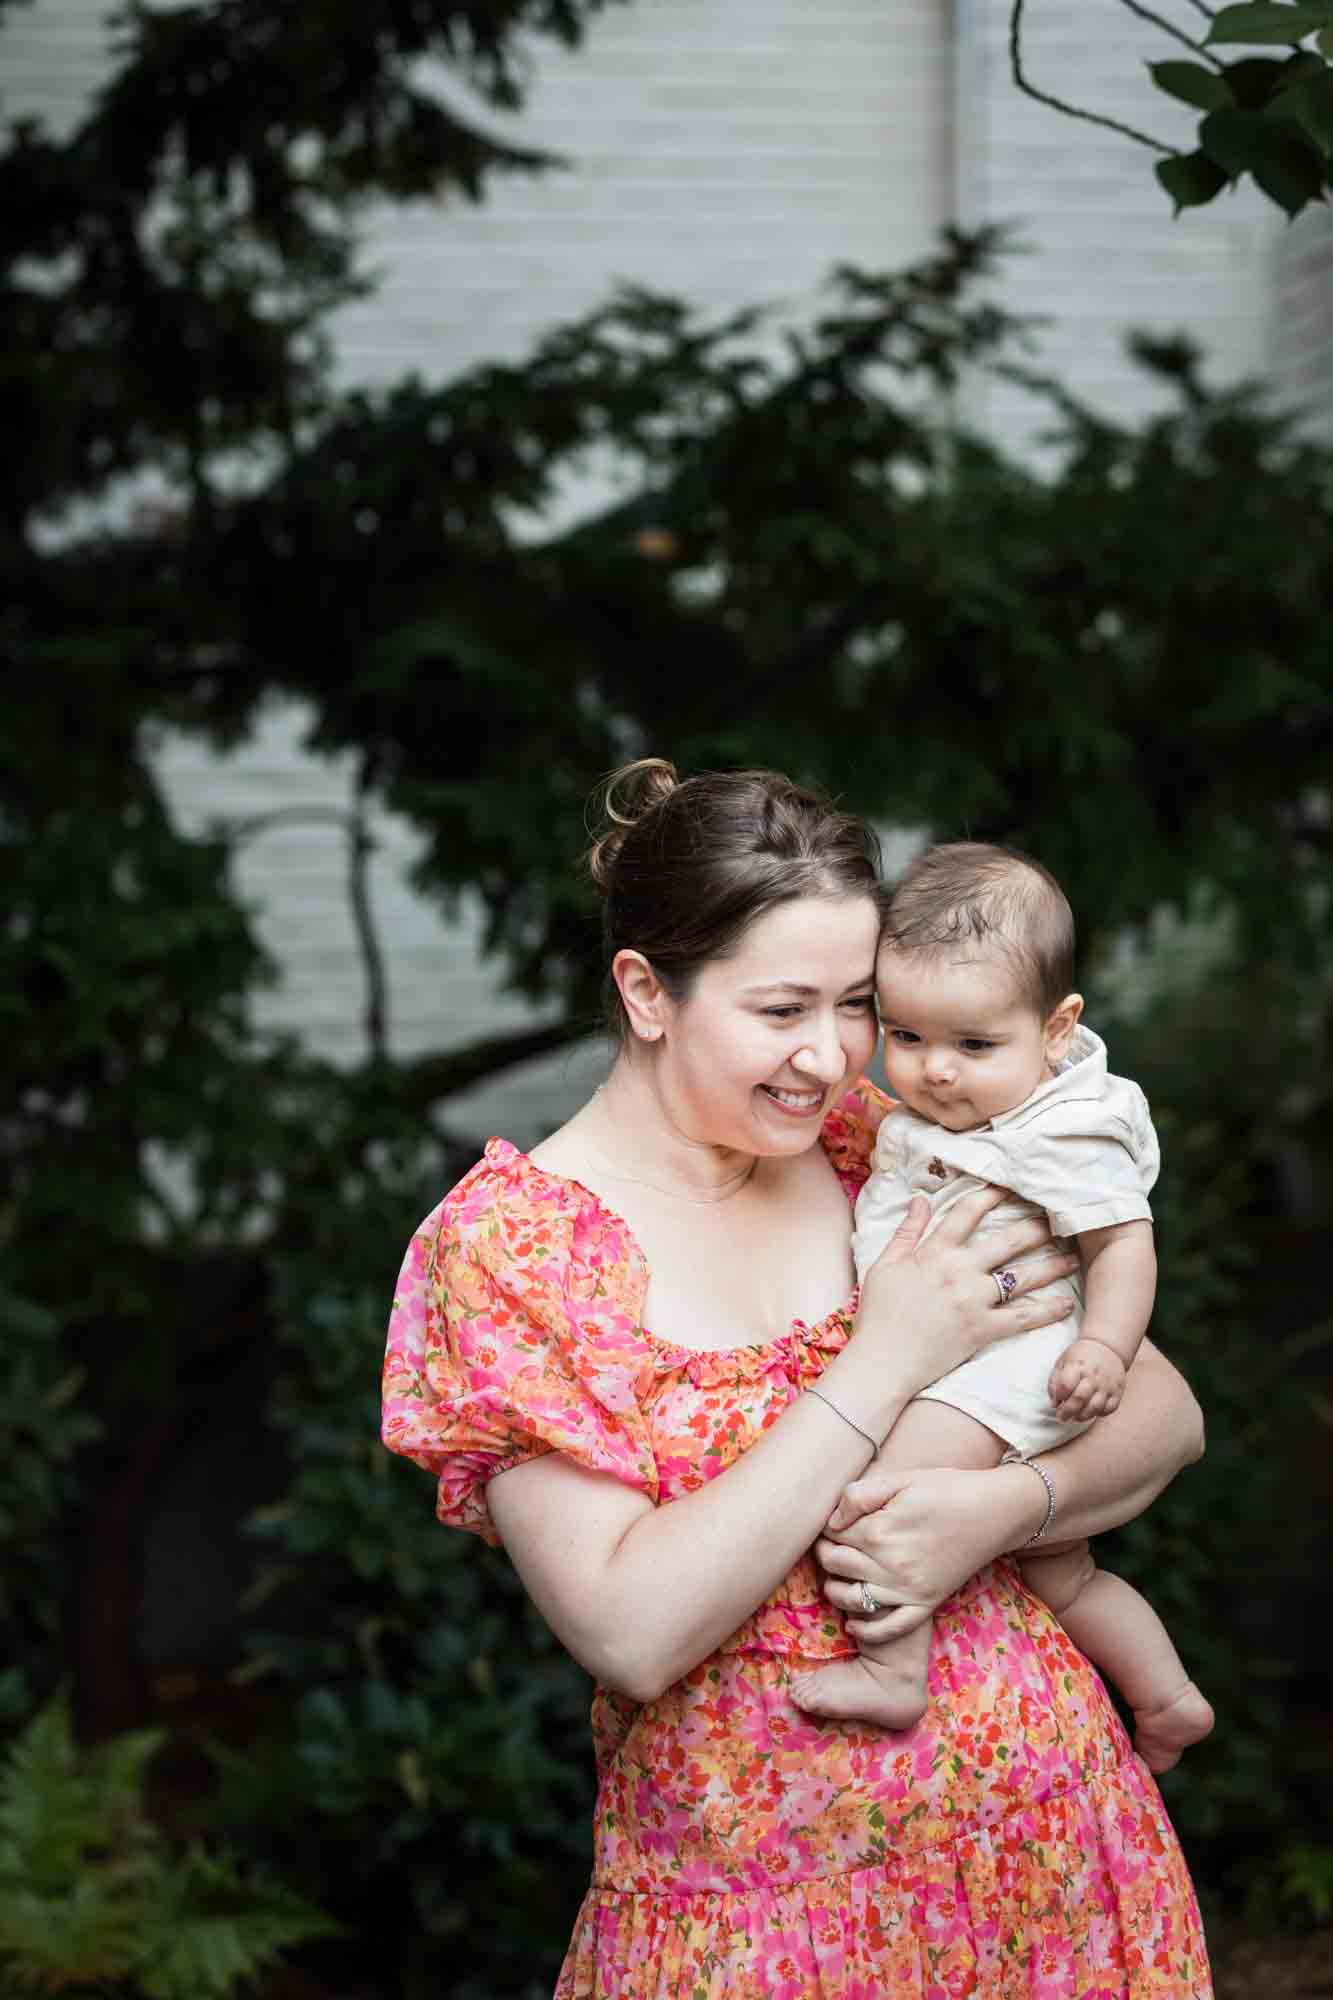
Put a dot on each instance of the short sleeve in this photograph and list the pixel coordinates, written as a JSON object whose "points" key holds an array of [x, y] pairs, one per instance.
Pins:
{"points": [[514, 1332], [1091, 1165]]}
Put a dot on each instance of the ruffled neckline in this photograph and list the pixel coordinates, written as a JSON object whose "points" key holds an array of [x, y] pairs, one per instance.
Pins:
{"points": [[794, 1352]]}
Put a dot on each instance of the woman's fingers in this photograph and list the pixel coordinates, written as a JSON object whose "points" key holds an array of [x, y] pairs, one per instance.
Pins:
{"points": [[1010, 1240], [1024, 1315], [894, 1623], [891, 1621], [864, 1496], [960, 1221], [908, 1233], [837, 1559], [1036, 1271]]}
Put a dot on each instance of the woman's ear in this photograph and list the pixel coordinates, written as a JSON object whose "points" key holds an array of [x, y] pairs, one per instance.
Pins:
{"points": [[1060, 1025], [645, 999]]}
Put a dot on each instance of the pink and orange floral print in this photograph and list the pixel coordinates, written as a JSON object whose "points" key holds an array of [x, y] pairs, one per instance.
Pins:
{"points": [[1011, 1846]]}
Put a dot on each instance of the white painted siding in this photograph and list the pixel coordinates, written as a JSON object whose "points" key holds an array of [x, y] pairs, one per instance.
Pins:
{"points": [[53, 55], [292, 877], [731, 151], [1303, 319], [1105, 252], [726, 150]]}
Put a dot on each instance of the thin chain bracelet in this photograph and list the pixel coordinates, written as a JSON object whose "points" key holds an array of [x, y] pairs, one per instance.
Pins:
{"points": [[829, 1404], [1016, 1457]]}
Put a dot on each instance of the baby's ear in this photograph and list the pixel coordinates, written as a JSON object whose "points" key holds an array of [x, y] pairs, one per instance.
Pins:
{"points": [[1060, 1025]]}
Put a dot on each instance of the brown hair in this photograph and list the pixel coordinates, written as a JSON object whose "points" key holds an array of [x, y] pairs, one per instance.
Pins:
{"points": [[969, 893], [686, 866]]}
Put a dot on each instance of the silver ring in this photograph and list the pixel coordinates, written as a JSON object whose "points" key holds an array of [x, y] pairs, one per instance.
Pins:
{"points": [[869, 1601], [1005, 1281]]}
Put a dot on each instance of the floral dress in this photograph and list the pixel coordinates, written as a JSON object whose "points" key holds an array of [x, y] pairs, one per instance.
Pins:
{"points": [[1010, 1845]]}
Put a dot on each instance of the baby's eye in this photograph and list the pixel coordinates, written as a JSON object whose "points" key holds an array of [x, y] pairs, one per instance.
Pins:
{"points": [[904, 1036], [973, 1045]]}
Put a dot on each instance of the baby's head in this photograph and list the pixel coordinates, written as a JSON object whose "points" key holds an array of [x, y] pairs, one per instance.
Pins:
{"points": [[975, 967]]}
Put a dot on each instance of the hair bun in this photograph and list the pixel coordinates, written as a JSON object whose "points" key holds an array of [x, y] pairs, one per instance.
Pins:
{"points": [[628, 794]]}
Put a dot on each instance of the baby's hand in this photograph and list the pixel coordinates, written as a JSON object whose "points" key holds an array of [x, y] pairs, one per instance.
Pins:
{"points": [[1087, 1381]]}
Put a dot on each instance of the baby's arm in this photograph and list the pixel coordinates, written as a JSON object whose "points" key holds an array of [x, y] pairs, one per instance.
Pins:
{"points": [[1120, 1280]]}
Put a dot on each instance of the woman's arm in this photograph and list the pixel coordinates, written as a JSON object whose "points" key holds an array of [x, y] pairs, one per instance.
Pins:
{"points": [[640, 1594], [915, 1537]]}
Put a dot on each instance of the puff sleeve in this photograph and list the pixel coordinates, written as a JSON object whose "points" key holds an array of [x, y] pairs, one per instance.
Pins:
{"points": [[515, 1331]]}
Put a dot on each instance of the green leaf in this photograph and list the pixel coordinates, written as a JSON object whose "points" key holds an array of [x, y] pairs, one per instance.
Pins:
{"points": [[1282, 161], [1324, 43], [1191, 83], [1309, 104], [1256, 80], [1263, 22], [1191, 179]]}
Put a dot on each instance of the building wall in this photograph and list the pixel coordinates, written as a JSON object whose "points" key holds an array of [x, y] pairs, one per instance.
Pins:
{"points": [[730, 151], [1302, 371], [1103, 251], [727, 150]]}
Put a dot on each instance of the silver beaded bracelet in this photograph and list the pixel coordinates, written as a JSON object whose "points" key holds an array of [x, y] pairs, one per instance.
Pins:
{"points": [[1016, 1457]]}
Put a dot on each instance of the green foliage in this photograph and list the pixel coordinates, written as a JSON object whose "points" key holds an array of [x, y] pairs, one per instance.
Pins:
{"points": [[91, 1900], [1269, 117], [1305, 1877], [44, 1423]]}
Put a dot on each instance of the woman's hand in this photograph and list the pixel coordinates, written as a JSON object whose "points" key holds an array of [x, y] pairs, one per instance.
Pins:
{"points": [[933, 1301], [915, 1537]]}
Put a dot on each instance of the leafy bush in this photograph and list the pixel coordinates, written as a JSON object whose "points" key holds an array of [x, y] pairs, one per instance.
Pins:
{"points": [[44, 1424], [91, 1900]]}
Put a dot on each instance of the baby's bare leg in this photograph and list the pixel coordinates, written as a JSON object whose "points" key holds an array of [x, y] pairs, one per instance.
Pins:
{"points": [[1121, 1633], [886, 1685]]}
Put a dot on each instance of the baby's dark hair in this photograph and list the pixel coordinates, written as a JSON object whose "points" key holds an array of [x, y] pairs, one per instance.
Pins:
{"points": [[686, 866], [968, 893]]}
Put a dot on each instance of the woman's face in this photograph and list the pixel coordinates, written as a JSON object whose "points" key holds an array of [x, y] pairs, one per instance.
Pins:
{"points": [[771, 1036]]}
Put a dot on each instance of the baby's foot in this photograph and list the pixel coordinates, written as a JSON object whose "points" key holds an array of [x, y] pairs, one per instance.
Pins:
{"points": [[1160, 1734], [863, 1691]]}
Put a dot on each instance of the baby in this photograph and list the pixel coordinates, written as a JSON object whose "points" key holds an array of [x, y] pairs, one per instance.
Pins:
{"points": [[998, 1083]]}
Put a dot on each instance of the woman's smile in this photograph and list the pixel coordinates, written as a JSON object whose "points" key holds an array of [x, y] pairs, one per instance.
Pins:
{"points": [[795, 1103]]}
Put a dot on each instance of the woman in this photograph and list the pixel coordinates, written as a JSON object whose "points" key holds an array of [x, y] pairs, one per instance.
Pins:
{"points": [[636, 1356]]}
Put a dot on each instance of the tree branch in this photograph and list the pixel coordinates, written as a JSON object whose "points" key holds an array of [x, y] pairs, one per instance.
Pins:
{"points": [[360, 847], [1057, 103], [436, 1076], [1169, 28]]}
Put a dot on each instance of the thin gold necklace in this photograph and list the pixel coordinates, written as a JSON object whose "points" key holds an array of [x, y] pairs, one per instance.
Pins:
{"points": [[672, 1194]]}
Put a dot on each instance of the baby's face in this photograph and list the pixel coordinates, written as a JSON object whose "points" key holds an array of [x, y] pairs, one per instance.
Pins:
{"points": [[961, 1042]]}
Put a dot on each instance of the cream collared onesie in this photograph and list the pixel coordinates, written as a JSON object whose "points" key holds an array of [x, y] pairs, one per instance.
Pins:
{"points": [[1082, 1151]]}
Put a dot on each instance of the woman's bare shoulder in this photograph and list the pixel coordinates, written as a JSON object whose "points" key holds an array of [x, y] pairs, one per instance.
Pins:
{"points": [[566, 1151]]}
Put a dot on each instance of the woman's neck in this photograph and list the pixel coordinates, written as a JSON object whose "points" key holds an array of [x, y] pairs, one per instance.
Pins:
{"points": [[639, 1139]]}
